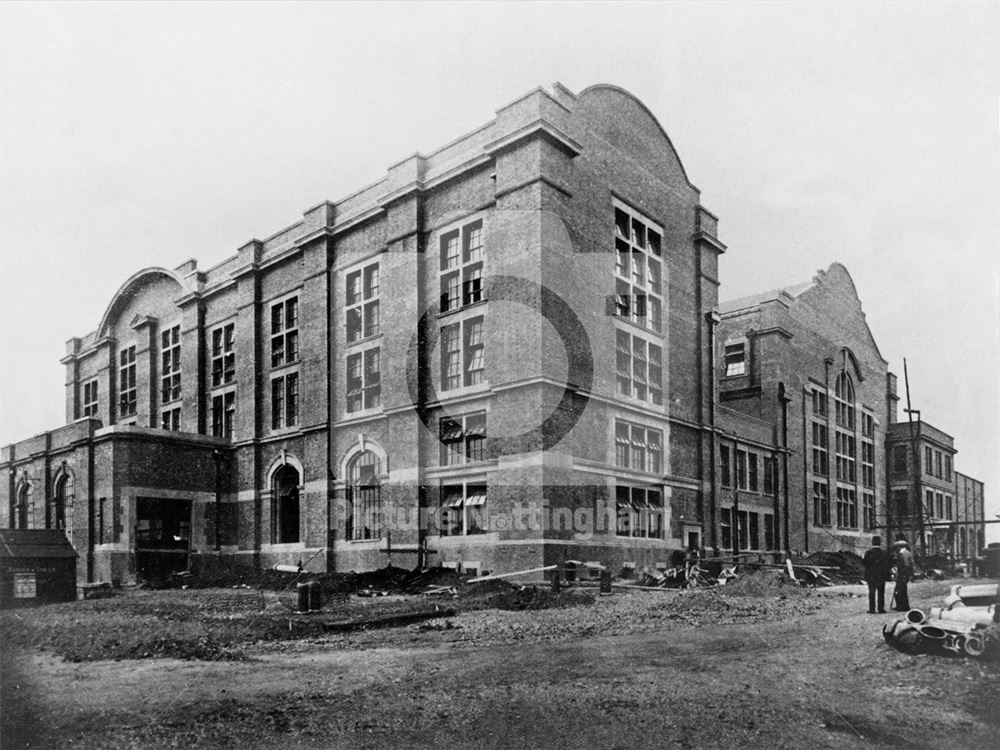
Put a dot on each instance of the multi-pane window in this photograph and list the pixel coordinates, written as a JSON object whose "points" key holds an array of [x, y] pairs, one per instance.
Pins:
{"points": [[726, 527], [364, 380], [638, 269], [820, 456], [640, 368], [819, 403], [90, 398], [284, 400], [867, 463], [126, 382], [900, 464], [752, 472], [867, 425], [928, 460], [170, 364], [284, 332], [847, 508], [929, 502], [463, 509], [868, 511], [769, 531], [462, 354], [821, 504], [725, 466], [741, 469], [844, 398], [948, 508], [362, 300], [747, 477], [940, 505], [947, 468], [223, 355], [639, 512], [170, 419], [770, 476], [735, 357], [638, 448], [462, 438], [939, 464], [847, 457], [223, 414], [462, 267], [364, 498]]}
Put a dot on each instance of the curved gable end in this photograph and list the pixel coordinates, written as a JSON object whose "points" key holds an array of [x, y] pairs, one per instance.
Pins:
{"points": [[833, 295], [150, 292], [618, 117]]}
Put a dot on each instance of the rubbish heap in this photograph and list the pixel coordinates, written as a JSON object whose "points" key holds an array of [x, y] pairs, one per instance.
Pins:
{"points": [[967, 625]]}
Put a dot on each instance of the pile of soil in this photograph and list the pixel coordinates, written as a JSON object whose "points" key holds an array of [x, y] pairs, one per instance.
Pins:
{"points": [[850, 569], [762, 582]]}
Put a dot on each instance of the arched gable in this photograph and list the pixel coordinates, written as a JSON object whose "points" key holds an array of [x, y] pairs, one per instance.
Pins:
{"points": [[128, 291], [618, 117], [280, 462], [364, 444], [849, 363]]}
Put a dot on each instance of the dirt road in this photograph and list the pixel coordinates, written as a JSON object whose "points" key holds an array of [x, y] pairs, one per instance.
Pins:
{"points": [[818, 676]]}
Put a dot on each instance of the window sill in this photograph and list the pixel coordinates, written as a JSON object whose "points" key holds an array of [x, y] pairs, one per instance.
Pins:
{"points": [[284, 367], [364, 340], [461, 308], [374, 541], [464, 390], [639, 326]]}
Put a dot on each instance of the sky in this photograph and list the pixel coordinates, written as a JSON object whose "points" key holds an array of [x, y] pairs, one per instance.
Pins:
{"points": [[136, 135]]}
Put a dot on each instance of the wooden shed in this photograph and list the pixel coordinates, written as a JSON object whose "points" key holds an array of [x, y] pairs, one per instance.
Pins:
{"points": [[37, 566]]}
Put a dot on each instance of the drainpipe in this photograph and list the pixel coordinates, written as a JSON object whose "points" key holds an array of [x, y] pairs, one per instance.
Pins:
{"points": [[784, 400], [217, 458], [714, 319]]}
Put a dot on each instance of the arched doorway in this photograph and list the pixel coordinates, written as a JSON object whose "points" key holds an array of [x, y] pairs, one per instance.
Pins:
{"points": [[364, 497], [285, 505]]}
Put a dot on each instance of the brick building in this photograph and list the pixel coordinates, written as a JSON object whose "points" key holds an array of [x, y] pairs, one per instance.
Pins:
{"points": [[496, 356], [802, 362], [940, 510]]}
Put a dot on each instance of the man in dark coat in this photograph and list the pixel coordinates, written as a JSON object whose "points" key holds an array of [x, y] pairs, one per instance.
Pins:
{"points": [[904, 572], [877, 565]]}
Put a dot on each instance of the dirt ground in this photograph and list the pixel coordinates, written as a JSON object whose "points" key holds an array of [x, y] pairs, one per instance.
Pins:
{"points": [[633, 670]]}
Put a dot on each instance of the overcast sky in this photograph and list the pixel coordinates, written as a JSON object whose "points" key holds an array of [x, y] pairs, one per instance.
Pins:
{"points": [[143, 135]]}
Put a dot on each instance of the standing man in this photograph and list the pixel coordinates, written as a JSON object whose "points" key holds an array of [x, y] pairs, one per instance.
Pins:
{"points": [[904, 572], [876, 563]]}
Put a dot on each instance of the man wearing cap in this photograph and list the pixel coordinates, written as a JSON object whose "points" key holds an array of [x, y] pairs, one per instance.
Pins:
{"points": [[904, 572], [877, 565]]}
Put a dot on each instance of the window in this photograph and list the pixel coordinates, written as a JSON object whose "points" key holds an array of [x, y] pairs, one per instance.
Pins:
{"points": [[285, 505], [753, 484], [223, 355], [741, 469], [747, 477], [754, 531], [638, 448], [126, 382], [820, 456], [819, 403], [867, 425], [867, 463], [899, 460], [364, 380], [940, 505], [640, 368], [362, 298], [847, 508], [726, 527], [462, 438], [462, 267], [844, 398], [726, 469], [770, 476], [223, 414], [948, 507], [364, 498], [928, 502], [821, 504], [735, 359], [463, 509], [868, 511], [947, 467], [284, 401], [170, 419], [170, 365], [928, 460], [938, 464], [90, 398], [56, 516], [901, 503], [846, 457], [769, 534], [285, 332], [639, 512], [462, 354], [638, 269]]}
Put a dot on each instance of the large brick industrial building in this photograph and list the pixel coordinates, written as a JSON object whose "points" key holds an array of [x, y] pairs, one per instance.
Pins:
{"points": [[503, 354]]}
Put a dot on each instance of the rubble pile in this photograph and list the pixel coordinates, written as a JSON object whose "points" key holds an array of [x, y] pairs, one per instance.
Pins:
{"points": [[762, 582], [850, 569]]}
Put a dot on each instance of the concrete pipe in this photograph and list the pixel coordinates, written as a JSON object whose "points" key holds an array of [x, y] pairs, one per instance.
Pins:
{"points": [[932, 632], [979, 594], [916, 617], [965, 615], [282, 568], [902, 635], [974, 644]]}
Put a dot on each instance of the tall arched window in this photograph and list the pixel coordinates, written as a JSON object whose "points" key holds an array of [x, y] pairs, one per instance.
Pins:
{"points": [[285, 505], [55, 515], [364, 498], [19, 519], [844, 396]]}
